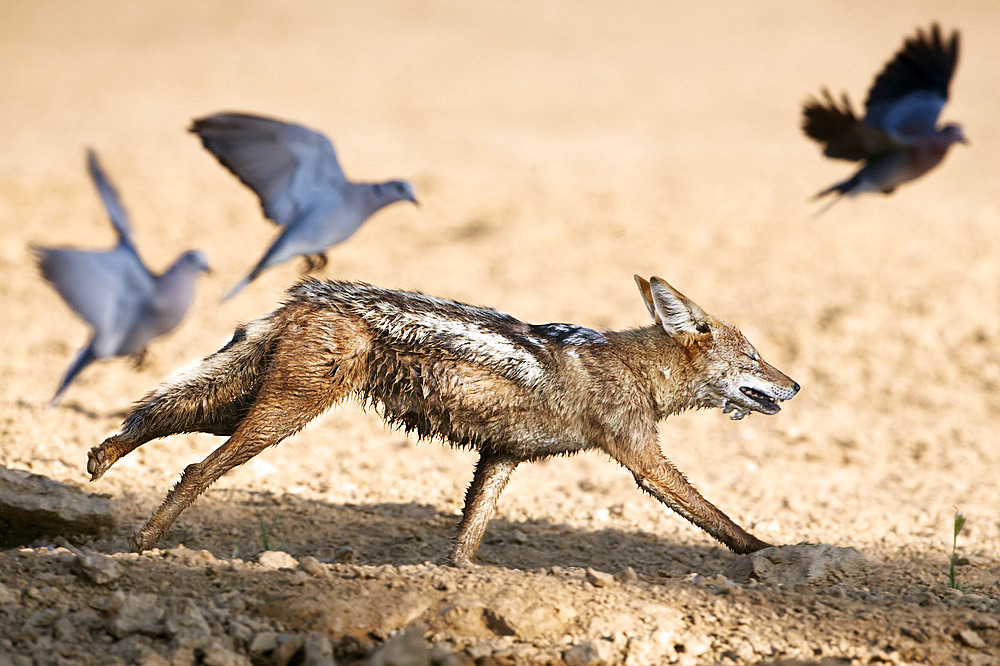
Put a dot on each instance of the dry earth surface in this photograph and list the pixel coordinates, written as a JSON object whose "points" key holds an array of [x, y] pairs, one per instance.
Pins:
{"points": [[557, 148]]}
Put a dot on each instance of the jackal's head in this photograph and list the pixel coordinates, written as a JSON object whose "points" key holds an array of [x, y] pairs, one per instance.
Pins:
{"points": [[722, 368]]}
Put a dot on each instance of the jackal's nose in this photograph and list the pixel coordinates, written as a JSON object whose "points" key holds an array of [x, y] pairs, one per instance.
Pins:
{"points": [[795, 388]]}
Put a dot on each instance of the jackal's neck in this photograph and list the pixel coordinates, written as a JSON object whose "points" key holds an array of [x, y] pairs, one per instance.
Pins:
{"points": [[664, 366]]}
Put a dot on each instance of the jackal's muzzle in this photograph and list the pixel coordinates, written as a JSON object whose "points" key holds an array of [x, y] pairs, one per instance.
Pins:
{"points": [[758, 398]]}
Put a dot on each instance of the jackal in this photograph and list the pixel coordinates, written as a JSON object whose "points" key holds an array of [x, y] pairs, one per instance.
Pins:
{"points": [[472, 376]]}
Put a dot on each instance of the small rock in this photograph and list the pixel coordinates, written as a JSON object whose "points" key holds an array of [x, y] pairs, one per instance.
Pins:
{"points": [[984, 622], [135, 650], [345, 555], [9, 596], [277, 559], [289, 645], [519, 537], [138, 613], [312, 566], [153, 658], [803, 564], [590, 653], [216, 654], [696, 646], [240, 631], [970, 638], [479, 651], [627, 576], [465, 618], [182, 656], [189, 556], [186, 623], [263, 643], [599, 578], [98, 569], [65, 630], [407, 648], [654, 648], [317, 649]]}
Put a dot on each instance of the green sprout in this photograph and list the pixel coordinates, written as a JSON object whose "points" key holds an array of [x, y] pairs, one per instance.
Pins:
{"points": [[267, 531], [959, 523]]}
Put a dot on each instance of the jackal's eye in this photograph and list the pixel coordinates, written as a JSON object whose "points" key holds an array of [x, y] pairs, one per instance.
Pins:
{"points": [[752, 355]]}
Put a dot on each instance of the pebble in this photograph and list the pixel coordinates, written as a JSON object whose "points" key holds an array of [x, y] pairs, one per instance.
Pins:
{"points": [[264, 643], [599, 578], [970, 638], [345, 555], [277, 559], [312, 566], [9, 596], [627, 576], [98, 569], [984, 622]]}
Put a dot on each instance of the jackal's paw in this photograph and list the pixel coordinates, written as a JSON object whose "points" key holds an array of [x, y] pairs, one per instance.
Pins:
{"points": [[460, 561], [141, 540], [98, 462]]}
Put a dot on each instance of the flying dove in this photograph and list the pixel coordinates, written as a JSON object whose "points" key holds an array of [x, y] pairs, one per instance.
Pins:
{"points": [[125, 304], [295, 173], [898, 139]]}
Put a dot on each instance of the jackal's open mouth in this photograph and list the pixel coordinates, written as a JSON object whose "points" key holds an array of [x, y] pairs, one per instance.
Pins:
{"points": [[767, 404]]}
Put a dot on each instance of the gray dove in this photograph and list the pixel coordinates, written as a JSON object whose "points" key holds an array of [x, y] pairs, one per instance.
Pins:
{"points": [[125, 304], [295, 173], [898, 139]]}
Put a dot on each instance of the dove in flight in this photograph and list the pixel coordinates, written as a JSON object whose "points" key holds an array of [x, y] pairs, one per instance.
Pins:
{"points": [[295, 173], [125, 304], [898, 139]]}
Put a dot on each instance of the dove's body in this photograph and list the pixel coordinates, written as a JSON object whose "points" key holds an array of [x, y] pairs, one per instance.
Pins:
{"points": [[295, 173], [125, 304]]}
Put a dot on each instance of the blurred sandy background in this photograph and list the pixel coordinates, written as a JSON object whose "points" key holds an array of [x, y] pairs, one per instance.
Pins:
{"points": [[557, 148]]}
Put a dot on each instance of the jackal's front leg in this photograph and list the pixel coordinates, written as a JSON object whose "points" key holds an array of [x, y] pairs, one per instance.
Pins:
{"points": [[659, 478], [491, 477]]}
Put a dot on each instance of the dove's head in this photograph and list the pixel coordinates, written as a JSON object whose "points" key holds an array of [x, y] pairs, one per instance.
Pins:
{"points": [[194, 261], [398, 190], [953, 133]]}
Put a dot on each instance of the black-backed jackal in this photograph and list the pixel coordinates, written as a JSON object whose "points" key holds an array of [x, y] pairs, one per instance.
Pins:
{"points": [[476, 377]]}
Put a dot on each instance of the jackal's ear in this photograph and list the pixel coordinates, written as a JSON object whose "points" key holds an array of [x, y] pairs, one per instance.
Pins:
{"points": [[671, 309], [647, 295]]}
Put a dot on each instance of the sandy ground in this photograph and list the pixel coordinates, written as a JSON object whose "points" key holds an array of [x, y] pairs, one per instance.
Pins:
{"points": [[557, 148]]}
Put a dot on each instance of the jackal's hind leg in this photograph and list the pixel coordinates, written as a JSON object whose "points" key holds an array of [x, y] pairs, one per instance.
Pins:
{"points": [[659, 478], [283, 406], [155, 420], [491, 477]]}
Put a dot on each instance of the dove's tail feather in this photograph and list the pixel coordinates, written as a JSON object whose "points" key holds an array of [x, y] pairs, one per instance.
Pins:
{"points": [[257, 270], [841, 189], [829, 204], [83, 359], [213, 396], [238, 287]]}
